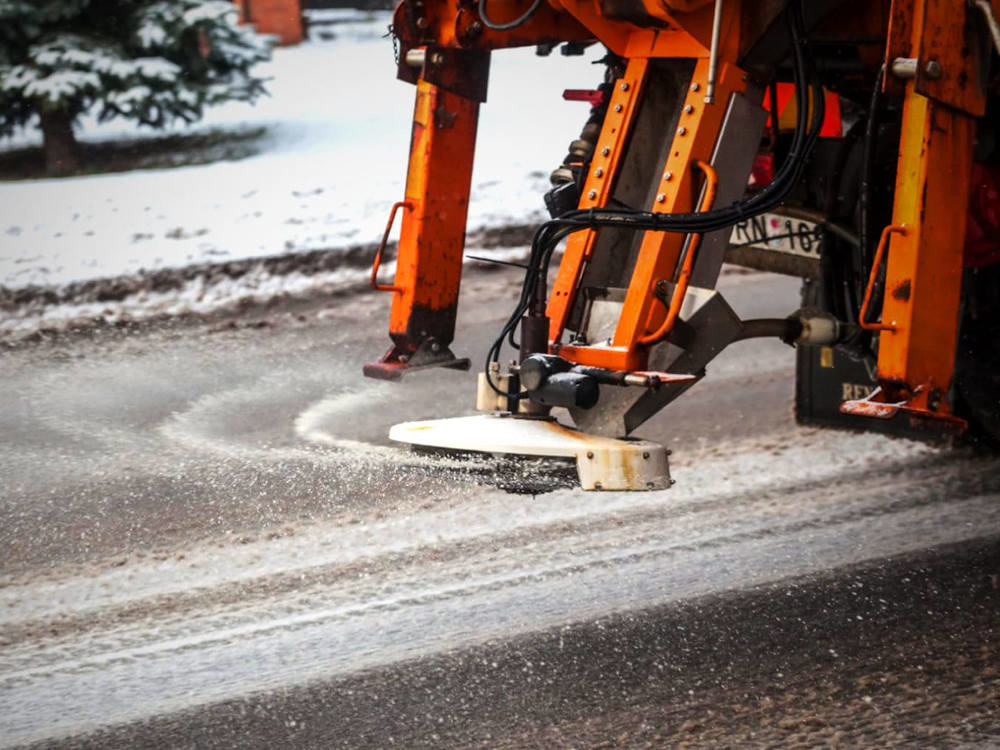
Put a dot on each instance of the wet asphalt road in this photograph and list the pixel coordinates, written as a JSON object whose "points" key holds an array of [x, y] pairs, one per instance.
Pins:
{"points": [[902, 653], [209, 543]]}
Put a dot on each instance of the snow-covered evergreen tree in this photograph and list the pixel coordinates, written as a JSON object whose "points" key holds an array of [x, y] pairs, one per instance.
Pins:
{"points": [[152, 61]]}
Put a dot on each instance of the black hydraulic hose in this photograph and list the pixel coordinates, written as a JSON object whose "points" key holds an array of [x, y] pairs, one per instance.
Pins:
{"points": [[788, 176], [868, 163], [510, 24], [867, 172], [772, 101], [786, 329]]}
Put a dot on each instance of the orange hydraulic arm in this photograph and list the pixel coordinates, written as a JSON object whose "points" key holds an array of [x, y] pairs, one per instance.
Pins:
{"points": [[429, 260]]}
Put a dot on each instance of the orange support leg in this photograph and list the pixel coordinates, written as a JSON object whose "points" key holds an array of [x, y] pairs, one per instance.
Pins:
{"points": [[432, 238], [923, 277]]}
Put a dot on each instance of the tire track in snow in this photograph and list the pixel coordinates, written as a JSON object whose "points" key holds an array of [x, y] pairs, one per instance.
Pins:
{"points": [[501, 579]]}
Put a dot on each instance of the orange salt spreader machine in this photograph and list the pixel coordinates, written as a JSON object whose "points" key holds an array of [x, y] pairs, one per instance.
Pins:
{"points": [[868, 129]]}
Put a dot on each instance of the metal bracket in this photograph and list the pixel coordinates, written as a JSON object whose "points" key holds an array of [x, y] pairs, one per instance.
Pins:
{"points": [[400, 360], [874, 405]]}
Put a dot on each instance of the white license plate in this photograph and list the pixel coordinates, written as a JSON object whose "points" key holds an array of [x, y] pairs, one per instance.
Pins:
{"points": [[777, 233]]}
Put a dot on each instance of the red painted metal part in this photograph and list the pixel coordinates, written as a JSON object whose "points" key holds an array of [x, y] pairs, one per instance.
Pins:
{"points": [[918, 418], [594, 97], [871, 406], [787, 112]]}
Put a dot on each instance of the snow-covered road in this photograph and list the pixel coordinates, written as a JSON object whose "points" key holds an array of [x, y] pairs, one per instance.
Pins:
{"points": [[205, 529]]}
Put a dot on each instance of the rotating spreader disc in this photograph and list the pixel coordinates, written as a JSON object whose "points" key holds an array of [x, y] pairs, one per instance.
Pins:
{"points": [[602, 463]]}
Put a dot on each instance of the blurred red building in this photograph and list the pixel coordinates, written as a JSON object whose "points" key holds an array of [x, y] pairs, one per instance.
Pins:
{"points": [[282, 18]]}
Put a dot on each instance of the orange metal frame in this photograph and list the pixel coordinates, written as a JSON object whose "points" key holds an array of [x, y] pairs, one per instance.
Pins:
{"points": [[428, 268], [924, 244], [922, 247], [923, 279], [622, 108], [693, 142]]}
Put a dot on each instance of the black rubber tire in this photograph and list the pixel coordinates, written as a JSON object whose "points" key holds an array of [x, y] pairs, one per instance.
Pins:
{"points": [[977, 357]]}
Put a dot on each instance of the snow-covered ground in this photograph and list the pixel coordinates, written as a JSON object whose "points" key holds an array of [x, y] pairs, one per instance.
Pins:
{"points": [[333, 160]]}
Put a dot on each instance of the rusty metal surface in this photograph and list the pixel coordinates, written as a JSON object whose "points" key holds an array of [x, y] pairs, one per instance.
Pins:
{"points": [[943, 40], [936, 424], [951, 68], [916, 357], [418, 23], [401, 359], [899, 42]]}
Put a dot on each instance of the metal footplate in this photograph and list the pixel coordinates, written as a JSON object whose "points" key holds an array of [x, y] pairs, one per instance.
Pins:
{"points": [[400, 360], [602, 463], [917, 421]]}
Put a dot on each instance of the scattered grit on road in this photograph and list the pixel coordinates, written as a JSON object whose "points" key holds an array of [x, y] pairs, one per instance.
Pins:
{"points": [[209, 542]]}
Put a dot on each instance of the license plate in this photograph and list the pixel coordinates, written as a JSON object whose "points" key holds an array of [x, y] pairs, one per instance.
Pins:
{"points": [[777, 233]]}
